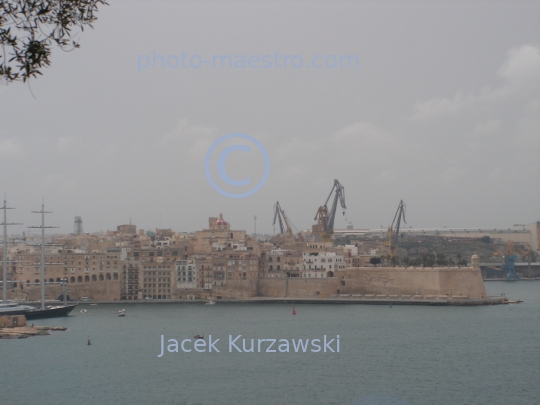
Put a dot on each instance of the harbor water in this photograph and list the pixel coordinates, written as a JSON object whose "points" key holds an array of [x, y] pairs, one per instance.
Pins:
{"points": [[416, 355]]}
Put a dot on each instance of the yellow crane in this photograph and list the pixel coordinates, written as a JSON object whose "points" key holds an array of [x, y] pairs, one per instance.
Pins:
{"points": [[279, 215], [506, 250]]}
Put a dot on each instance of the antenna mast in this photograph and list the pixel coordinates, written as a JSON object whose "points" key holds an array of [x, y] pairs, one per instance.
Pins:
{"points": [[78, 228]]}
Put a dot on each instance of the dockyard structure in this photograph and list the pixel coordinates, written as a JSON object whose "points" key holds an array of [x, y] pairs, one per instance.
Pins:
{"points": [[519, 233]]}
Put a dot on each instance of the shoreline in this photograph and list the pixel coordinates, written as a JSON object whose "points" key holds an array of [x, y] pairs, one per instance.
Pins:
{"points": [[494, 300]]}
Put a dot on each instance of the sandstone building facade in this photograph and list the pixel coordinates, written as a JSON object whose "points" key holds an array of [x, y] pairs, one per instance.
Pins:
{"points": [[223, 263]]}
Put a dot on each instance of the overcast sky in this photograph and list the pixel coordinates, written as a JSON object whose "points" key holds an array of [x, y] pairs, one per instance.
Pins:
{"points": [[442, 111]]}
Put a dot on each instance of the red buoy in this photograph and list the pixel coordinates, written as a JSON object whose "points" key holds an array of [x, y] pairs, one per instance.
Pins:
{"points": [[293, 311]]}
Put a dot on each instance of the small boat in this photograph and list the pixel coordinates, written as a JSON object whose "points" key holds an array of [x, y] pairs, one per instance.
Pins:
{"points": [[293, 311], [83, 311], [122, 312], [198, 337], [210, 302]]}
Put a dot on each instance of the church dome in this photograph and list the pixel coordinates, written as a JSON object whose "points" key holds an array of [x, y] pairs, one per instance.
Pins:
{"points": [[221, 221]]}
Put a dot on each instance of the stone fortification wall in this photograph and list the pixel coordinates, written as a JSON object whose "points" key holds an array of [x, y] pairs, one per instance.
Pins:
{"points": [[238, 289], [465, 282], [385, 281], [299, 287]]}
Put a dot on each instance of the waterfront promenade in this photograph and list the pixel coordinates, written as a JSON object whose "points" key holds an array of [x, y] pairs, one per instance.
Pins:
{"points": [[342, 300]]}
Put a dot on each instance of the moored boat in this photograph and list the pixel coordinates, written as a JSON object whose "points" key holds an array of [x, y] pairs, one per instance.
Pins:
{"points": [[13, 308], [50, 312], [35, 313]]}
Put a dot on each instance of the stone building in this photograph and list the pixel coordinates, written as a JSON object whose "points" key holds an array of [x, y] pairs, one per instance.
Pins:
{"points": [[127, 229], [205, 266], [186, 274], [130, 281], [319, 264], [219, 267], [156, 271], [157, 280], [76, 267], [218, 236], [282, 263], [242, 266]]}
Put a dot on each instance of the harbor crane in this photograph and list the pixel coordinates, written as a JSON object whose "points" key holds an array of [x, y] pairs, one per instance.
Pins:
{"points": [[509, 257], [279, 214], [392, 235], [324, 229]]}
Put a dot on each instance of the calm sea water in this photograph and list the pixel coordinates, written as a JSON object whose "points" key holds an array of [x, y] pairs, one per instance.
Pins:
{"points": [[392, 356]]}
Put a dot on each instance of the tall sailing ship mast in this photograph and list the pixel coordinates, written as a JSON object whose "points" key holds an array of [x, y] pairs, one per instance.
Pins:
{"points": [[4, 261], [61, 310], [28, 311], [42, 227]]}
